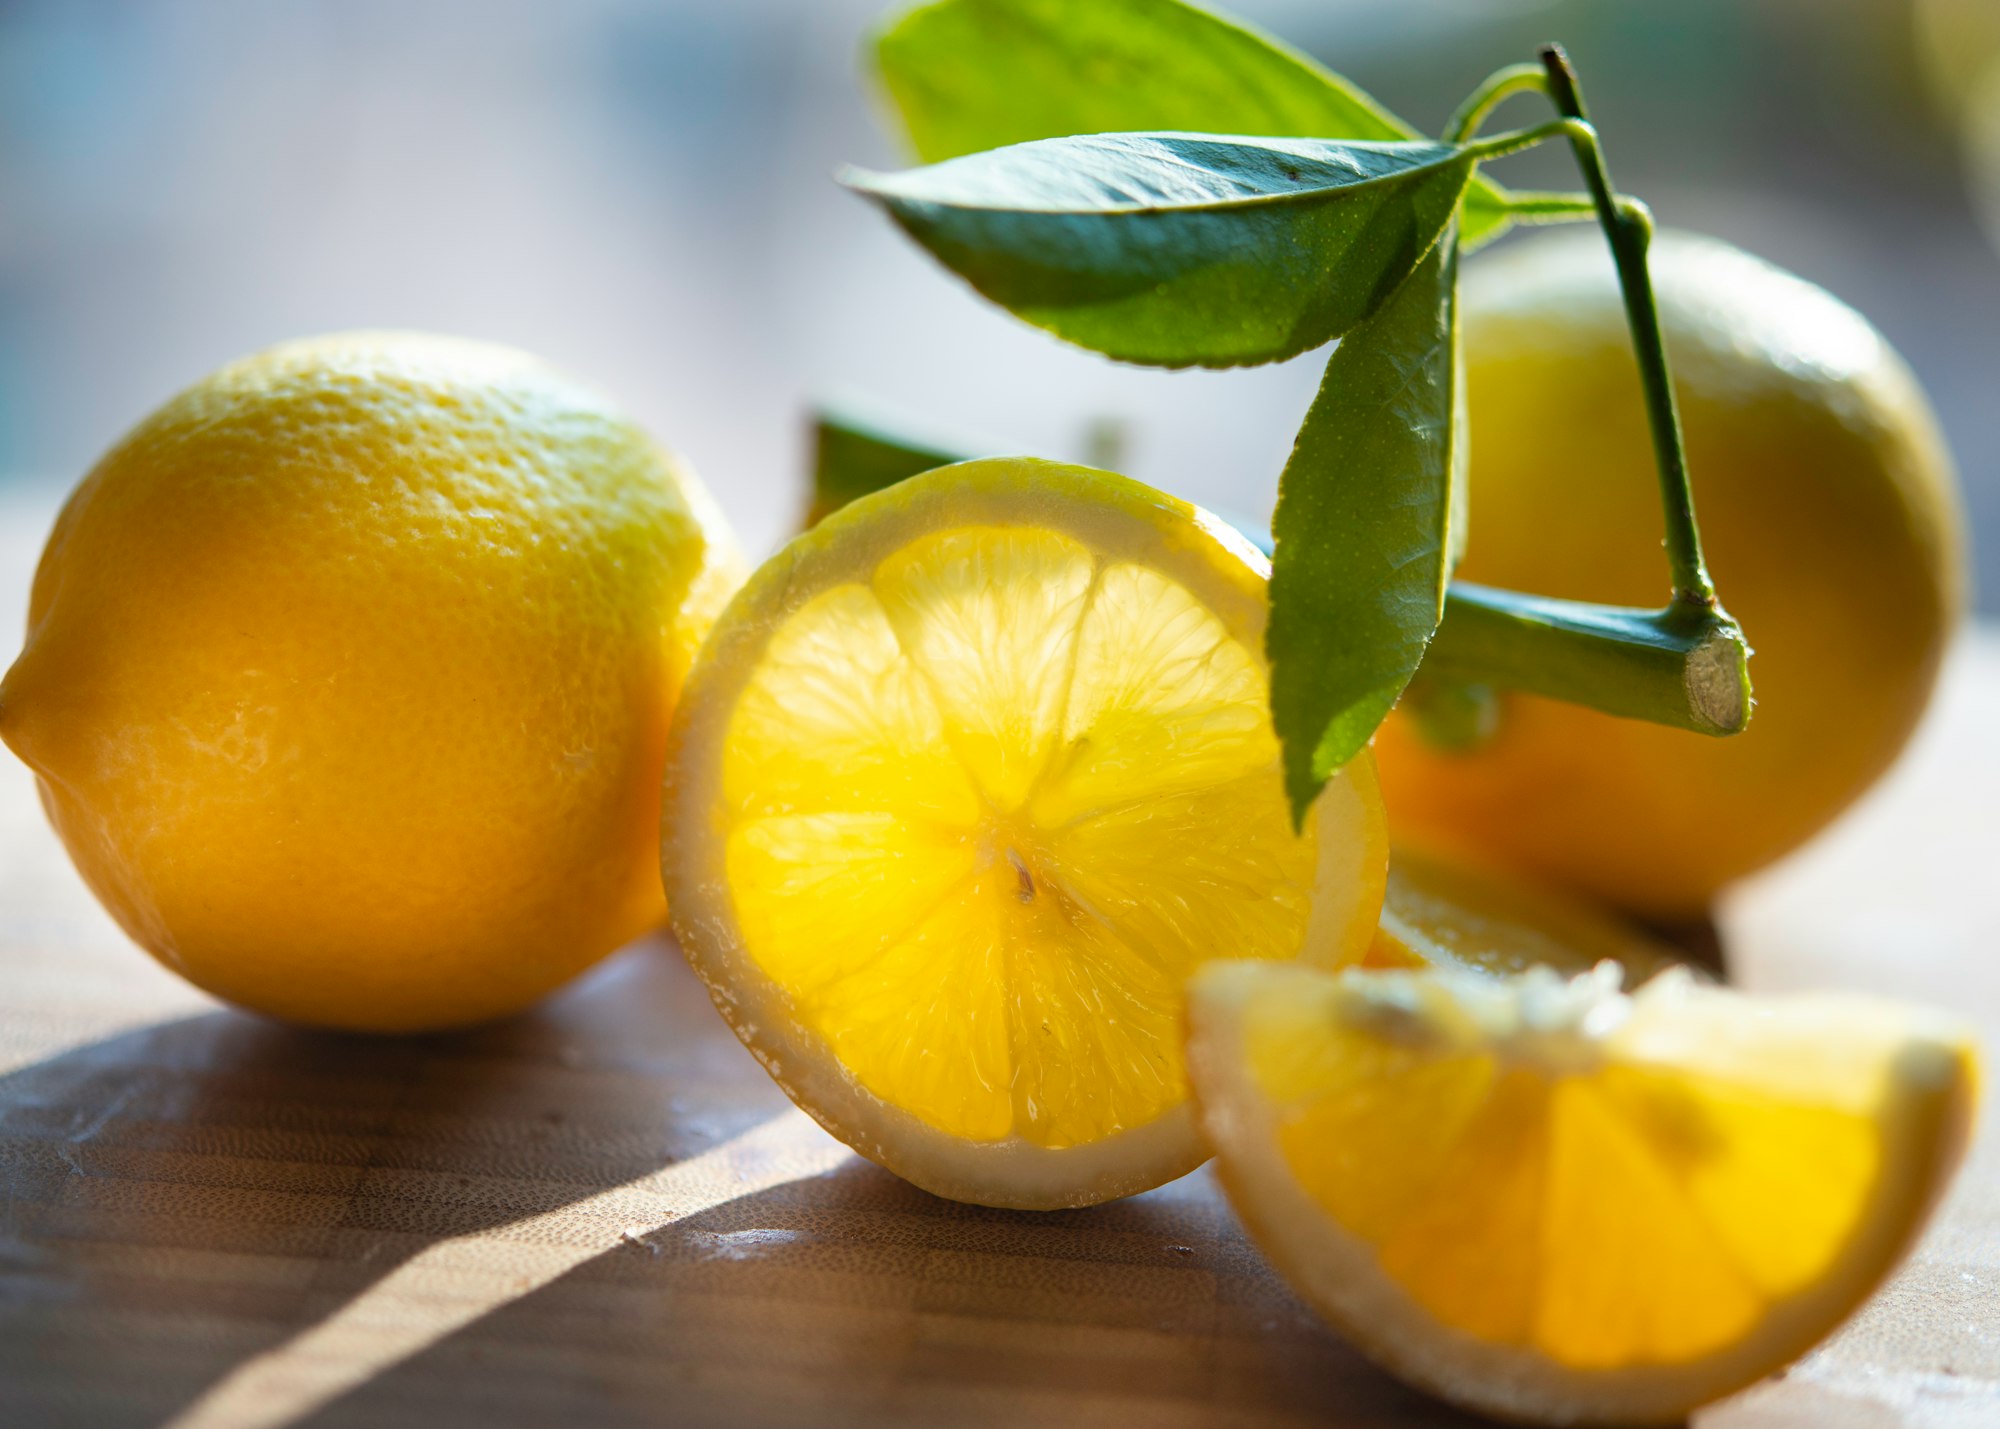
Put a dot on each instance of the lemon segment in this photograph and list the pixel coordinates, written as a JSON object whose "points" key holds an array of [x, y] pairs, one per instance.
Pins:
{"points": [[988, 618], [1559, 1201], [985, 653], [1447, 910], [988, 763], [838, 720]]}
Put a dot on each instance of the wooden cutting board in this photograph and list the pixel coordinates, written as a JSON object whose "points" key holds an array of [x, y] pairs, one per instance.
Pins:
{"points": [[603, 1213]]}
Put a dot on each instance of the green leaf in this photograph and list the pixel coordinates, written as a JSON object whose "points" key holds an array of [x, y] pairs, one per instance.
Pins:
{"points": [[968, 75], [1364, 528], [854, 455], [1179, 250]]}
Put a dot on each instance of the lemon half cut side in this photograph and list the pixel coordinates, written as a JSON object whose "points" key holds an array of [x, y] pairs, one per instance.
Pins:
{"points": [[1558, 1203], [967, 780]]}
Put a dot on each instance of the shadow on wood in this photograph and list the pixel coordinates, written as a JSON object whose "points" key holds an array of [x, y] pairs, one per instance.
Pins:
{"points": [[177, 1201], [852, 1298]]}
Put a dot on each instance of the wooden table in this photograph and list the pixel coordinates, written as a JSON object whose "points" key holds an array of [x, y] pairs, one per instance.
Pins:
{"points": [[602, 1213]]}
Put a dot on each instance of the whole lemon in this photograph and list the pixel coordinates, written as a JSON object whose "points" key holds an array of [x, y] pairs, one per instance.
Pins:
{"points": [[348, 675], [1831, 518]]}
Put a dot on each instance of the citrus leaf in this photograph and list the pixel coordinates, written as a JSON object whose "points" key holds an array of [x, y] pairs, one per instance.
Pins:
{"points": [[969, 75], [1180, 250], [1364, 528], [854, 456]]}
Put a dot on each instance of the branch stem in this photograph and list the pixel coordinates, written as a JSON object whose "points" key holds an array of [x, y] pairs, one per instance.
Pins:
{"points": [[1512, 141], [1538, 206], [1497, 87], [1683, 666], [1628, 227]]}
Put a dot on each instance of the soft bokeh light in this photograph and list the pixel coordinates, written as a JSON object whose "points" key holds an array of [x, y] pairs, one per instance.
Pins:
{"points": [[640, 190]]}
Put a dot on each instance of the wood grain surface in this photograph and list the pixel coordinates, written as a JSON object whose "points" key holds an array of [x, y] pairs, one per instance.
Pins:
{"points": [[603, 1214]]}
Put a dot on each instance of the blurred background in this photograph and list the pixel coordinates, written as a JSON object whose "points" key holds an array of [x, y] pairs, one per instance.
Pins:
{"points": [[640, 190]]}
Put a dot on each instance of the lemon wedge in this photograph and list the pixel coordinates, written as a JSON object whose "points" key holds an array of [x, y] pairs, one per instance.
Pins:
{"points": [[1556, 1202], [967, 780], [1450, 910]]}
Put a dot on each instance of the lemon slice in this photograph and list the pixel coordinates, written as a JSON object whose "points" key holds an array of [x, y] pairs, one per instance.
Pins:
{"points": [[1556, 1202], [1447, 910], [966, 781]]}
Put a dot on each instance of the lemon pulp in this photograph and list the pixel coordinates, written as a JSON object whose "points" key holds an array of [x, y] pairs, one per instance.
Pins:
{"points": [[1684, 1183], [1446, 911], [985, 810]]}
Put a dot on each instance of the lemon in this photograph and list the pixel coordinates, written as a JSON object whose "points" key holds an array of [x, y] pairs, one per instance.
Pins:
{"points": [[966, 781], [1451, 910], [1831, 518], [348, 675], [1556, 1202]]}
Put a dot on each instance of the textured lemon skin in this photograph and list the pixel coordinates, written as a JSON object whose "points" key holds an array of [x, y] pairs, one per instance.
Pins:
{"points": [[1830, 514], [348, 675]]}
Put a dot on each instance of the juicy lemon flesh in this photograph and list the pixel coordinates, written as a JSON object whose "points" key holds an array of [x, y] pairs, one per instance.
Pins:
{"points": [[1443, 911], [984, 812], [1642, 1196]]}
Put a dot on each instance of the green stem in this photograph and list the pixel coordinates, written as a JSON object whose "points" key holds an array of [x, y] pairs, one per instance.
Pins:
{"points": [[1679, 666], [1104, 441], [1512, 141], [1686, 665], [1498, 86], [1535, 206], [1629, 229]]}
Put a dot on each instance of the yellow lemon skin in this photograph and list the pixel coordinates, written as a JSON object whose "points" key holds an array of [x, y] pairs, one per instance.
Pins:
{"points": [[348, 675], [1831, 518]]}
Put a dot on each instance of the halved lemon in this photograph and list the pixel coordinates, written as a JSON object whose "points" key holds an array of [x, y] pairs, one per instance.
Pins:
{"points": [[1555, 1202], [966, 781], [1449, 910]]}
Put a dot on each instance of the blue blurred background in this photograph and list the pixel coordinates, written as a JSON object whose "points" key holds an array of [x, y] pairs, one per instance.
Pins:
{"points": [[641, 192]]}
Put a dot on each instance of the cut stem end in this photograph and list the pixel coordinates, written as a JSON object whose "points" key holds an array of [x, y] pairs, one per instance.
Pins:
{"points": [[1686, 665]]}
